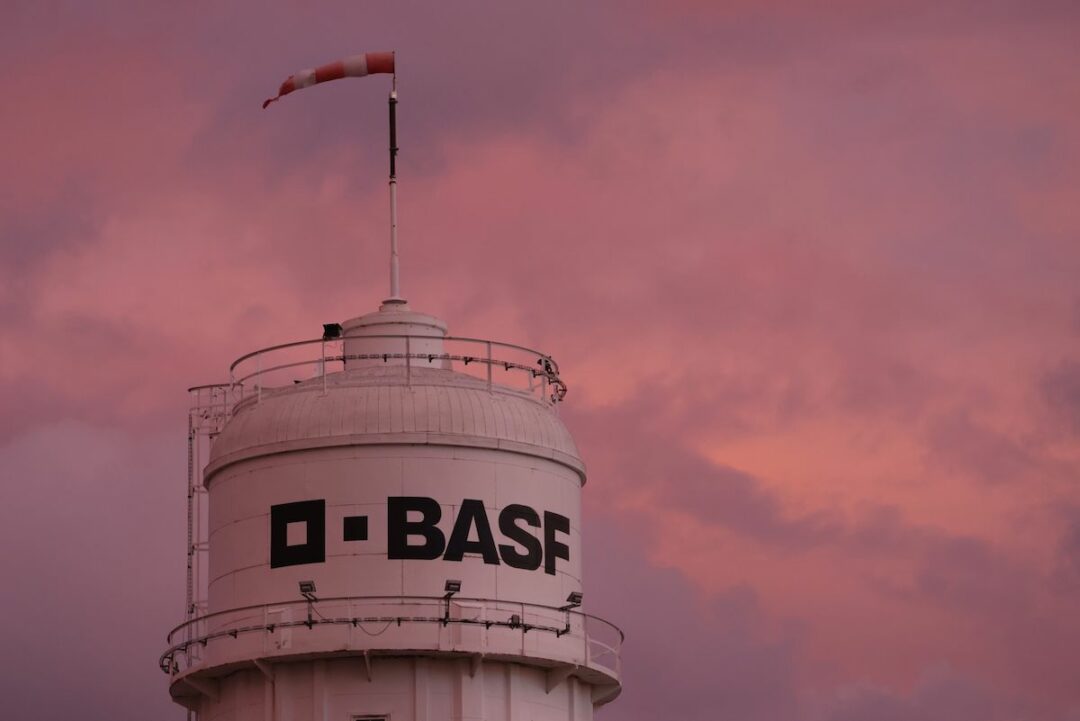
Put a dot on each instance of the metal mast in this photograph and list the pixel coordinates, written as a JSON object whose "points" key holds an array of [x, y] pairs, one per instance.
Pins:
{"points": [[395, 285]]}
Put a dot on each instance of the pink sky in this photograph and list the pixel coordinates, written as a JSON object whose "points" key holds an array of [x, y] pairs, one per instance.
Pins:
{"points": [[811, 274]]}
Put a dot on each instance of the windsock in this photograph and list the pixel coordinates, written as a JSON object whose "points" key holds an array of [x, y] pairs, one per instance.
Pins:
{"points": [[356, 66]]}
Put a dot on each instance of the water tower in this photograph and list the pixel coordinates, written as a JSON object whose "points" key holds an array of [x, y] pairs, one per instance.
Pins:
{"points": [[384, 522]]}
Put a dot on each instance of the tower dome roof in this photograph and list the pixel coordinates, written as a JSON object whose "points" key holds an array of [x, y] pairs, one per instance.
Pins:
{"points": [[380, 398]]}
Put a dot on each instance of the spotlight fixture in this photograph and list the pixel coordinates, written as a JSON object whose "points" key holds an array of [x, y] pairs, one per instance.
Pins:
{"points": [[331, 330], [572, 601], [452, 586], [307, 590]]}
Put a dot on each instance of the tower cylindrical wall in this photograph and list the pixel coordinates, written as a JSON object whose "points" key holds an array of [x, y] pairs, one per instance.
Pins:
{"points": [[369, 490]]}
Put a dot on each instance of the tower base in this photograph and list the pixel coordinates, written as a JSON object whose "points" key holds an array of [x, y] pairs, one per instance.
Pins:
{"points": [[395, 689]]}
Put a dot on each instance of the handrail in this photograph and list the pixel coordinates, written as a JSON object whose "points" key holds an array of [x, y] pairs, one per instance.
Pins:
{"points": [[403, 599], [430, 357], [452, 338], [169, 665], [209, 386], [547, 370]]}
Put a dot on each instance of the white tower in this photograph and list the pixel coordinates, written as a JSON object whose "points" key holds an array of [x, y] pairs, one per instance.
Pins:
{"points": [[393, 532]]}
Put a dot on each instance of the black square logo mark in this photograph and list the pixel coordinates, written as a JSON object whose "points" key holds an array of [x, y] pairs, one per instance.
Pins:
{"points": [[356, 528], [310, 513]]}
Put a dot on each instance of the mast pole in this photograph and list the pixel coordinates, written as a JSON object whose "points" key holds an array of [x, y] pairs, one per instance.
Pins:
{"points": [[395, 286]]}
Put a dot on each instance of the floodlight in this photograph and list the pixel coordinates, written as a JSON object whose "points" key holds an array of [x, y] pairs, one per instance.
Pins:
{"points": [[572, 601], [451, 587], [307, 587], [331, 330]]}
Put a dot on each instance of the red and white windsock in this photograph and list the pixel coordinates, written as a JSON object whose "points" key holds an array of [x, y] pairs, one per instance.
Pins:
{"points": [[356, 66]]}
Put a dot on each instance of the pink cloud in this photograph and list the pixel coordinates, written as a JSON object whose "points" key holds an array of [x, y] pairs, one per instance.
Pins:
{"points": [[810, 276]]}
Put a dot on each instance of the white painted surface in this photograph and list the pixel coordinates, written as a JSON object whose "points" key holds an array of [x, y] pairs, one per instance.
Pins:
{"points": [[394, 318], [358, 480], [419, 689], [375, 406], [374, 431]]}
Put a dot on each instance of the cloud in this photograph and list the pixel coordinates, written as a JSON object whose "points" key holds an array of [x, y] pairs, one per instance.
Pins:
{"points": [[1067, 562], [940, 694], [1061, 390], [962, 445], [686, 656], [869, 578], [94, 570], [810, 274]]}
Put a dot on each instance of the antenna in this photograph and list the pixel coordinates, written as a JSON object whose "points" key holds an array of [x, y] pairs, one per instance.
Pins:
{"points": [[395, 284]]}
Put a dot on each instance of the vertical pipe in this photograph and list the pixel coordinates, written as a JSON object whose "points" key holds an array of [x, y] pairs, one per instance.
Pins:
{"points": [[198, 597], [189, 605]]}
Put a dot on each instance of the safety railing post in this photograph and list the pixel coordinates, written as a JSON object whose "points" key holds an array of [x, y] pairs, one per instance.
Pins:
{"points": [[322, 365], [408, 363], [225, 399], [585, 638], [258, 376], [488, 344]]}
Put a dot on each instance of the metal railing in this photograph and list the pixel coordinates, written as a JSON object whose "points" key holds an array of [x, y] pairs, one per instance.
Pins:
{"points": [[494, 363], [210, 409], [594, 641]]}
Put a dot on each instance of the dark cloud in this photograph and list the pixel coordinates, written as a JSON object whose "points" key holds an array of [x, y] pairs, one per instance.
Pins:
{"points": [[686, 656], [94, 571], [960, 444], [1067, 560], [941, 695], [1061, 389], [726, 497], [968, 574]]}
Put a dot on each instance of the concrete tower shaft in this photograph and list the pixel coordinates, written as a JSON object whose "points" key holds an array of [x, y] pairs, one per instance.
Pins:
{"points": [[394, 530]]}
